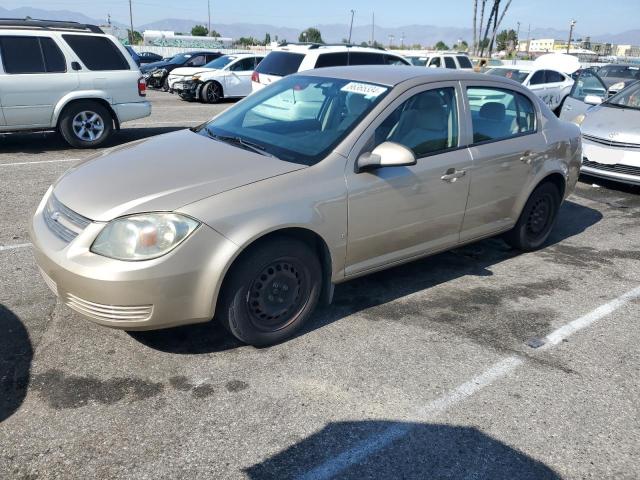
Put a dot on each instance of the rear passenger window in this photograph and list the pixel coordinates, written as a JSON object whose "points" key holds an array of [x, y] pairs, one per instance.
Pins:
{"points": [[464, 61], [97, 53], [449, 62], [53, 57], [363, 58], [537, 78], [31, 55], [22, 55], [435, 62], [392, 60], [332, 60], [427, 123], [554, 77], [498, 114]]}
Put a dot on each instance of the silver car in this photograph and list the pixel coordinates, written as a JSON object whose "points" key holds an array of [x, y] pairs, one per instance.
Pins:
{"points": [[322, 177], [611, 137]]}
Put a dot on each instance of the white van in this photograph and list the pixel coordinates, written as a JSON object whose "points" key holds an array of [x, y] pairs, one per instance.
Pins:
{"points": [[69, 77], [292, 58]]}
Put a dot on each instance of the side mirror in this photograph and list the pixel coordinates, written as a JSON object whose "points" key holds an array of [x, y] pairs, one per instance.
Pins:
{"points": [[387, 154], [592, 100]]}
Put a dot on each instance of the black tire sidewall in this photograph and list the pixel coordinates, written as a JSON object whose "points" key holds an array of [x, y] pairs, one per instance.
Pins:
{"points": [[66, 127], [209, 86], [232, 311], [519, 237]]}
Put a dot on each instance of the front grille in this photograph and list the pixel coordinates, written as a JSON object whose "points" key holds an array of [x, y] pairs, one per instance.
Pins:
{"points": [[609, 142], [63, 221], [616, 168], [115, 313]]}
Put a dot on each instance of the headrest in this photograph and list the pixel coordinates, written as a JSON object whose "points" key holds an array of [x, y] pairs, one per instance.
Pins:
{"points": [[356, 104], [493, 111]]}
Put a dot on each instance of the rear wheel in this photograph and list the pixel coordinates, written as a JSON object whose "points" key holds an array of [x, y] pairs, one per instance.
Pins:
{"points": [[270, 292], [212, 92], [165, 84], [86, 124], [536, 220]]}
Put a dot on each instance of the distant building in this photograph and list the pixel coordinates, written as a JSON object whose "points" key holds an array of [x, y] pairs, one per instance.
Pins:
{"points": [[160, 38], [627, 51]]}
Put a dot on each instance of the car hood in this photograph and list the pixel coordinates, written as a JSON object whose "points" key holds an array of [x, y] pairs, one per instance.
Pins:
{"points": [[149, 67], [622, 123], [188, 71], [162, 173]]}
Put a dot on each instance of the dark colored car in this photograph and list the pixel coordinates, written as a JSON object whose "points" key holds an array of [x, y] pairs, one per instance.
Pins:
{"points": [[619, 76], [156, 73], [149, 57], [134, 55]]}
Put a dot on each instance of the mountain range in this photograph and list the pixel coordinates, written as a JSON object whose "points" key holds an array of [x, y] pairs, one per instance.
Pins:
{"points": [[409, 34]]}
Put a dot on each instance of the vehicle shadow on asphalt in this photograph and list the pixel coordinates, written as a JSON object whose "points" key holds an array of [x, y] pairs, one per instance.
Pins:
{"points": [[384, 449], [43, 142], [379, 288], [16, 353]]}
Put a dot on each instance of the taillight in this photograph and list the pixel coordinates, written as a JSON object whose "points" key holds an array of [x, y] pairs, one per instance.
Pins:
{"points": [[142, 87], [255, 77]]}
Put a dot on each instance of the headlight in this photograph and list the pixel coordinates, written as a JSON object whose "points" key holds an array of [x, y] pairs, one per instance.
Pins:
{"points": [[616, 87], [159, 73], [143, 237], [579, 119]]}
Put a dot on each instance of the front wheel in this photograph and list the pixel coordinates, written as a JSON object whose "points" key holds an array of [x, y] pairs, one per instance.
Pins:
{"points": [[536, 220], [270, 292], [86, 124], [212, 92]]}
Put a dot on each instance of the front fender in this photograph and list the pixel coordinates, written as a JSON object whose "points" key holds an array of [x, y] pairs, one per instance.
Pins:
{"points": [[80, 95]]}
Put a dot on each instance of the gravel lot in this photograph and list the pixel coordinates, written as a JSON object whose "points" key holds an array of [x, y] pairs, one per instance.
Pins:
{"points": [[421, 371]]}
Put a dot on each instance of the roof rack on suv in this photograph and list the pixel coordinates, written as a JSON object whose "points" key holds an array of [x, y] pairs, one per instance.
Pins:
{"points": [[315, 45], [29, 23]]}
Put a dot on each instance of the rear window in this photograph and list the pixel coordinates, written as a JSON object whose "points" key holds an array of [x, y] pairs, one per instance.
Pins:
{"points": [[464, 61], [332, 60], [364, 58], [97, 53], [31, 55], [449, 62], [280, 63]]}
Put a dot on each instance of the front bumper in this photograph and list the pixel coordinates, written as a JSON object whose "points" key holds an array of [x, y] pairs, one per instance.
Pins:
{"points": [[609, 162], [177, 289], [188, 90]]}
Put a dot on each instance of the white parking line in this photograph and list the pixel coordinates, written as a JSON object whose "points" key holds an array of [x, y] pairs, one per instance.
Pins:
{"points": [[375, 443], [14, 247], [39, 161]]}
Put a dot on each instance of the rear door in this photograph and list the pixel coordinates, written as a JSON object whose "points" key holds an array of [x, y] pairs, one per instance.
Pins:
{"points": [[555, 83], [537, 84], [506, 145], [37, 76], [238, 78], [587, 83]]}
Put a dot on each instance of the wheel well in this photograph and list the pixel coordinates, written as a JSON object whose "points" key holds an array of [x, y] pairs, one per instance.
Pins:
{"points": [[217, 83], [308, 237], [99, 101], [557, 180]]}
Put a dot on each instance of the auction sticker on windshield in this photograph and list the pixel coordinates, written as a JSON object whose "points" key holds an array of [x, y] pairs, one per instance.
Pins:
{"points": [[365, 89]]}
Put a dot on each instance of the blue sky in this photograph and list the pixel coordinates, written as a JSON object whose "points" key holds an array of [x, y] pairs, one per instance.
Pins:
{"points": [[295, 13]]}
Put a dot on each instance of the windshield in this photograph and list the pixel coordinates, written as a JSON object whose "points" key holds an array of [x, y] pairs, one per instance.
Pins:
{"points": [[180, 59], [418, 61], [628, 98], [512, 73], [620, 71], [298, 119], [220, 62]]}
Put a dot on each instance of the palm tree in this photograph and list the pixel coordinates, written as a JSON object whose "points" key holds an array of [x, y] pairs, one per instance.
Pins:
{"points": [[496, 26]]}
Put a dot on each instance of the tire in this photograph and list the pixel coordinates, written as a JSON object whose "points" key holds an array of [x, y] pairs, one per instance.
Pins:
{"points": [[86, 124], [165, 84], [262, 316], [558, 109], [536, 220], [212, 93]]}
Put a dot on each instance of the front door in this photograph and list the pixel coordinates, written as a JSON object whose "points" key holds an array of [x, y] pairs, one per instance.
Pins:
{"points": [[396, 213], [507, 146], [238, 80], [587, 83]]}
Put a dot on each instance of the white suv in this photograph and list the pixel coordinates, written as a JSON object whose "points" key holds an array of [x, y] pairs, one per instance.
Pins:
{"points": [[292, 58], [68, 77], [453, 61]]}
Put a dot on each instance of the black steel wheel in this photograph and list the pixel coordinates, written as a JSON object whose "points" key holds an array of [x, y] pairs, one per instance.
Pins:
{"points": [[271, 291], [537, 219]]}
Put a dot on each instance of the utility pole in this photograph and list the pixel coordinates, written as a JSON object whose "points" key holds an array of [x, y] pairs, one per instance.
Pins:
{"points": [[572, 24], [391, 37], [528, 40], [373, 26], [209, 13], [131, 23], [351, 26], [517, 44], [402, 41]]}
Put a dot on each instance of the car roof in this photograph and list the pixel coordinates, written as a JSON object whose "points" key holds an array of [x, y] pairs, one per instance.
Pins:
{"points": [[314, 47], [524, 68], [244, 55], [393, 75]]}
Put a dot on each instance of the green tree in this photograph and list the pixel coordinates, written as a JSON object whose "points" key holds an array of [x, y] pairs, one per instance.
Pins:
{"points": [[247, 41], [364, 44], [416, 46], [441, 46], [137, 37], [267, 39], [312, 35], [507, 40], [377, 45], [199, 31], [214, 34], [463, 46]]}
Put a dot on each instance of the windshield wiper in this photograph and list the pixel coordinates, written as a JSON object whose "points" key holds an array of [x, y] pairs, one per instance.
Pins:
{"points": [[241, 142]]}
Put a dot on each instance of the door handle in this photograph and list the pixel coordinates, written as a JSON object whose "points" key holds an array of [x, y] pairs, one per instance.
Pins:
{"points": [[452, 175]]}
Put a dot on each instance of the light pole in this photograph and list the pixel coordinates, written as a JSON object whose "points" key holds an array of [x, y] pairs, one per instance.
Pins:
{"points": [[517, 45], [209, 13], [131, 23], [391, 37], [351, 26], [572, 24]]}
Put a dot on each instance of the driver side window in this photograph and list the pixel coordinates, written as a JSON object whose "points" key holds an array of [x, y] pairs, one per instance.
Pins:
{"points": [[196, 61], [427, 123]]}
